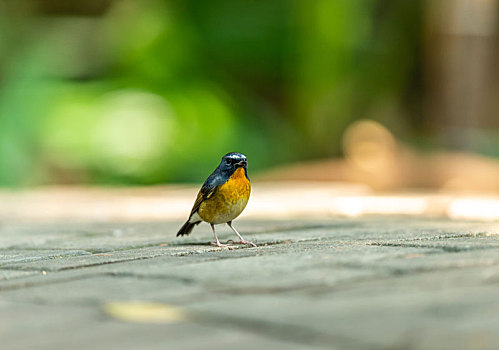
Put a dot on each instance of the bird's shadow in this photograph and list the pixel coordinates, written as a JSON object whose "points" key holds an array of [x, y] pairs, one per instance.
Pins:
{"points": [[193, 244]]}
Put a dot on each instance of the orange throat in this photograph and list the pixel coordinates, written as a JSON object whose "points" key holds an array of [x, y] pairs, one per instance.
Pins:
{"points": [[239, 174], [238, 184]]}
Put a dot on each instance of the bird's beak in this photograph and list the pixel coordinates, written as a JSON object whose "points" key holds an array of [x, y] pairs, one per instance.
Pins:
{"points": [[242, 163]]}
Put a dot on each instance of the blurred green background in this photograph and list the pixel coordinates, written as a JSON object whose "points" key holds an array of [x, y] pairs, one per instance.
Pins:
{"points": [[154, 91]]}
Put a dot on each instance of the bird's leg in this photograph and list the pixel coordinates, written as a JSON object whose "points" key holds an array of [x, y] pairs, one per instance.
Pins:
{"points": [[217, 243], [243, 241]]}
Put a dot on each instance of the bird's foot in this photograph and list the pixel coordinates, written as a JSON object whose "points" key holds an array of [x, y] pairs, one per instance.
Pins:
{"points": [[220, 245], [243, 242]]}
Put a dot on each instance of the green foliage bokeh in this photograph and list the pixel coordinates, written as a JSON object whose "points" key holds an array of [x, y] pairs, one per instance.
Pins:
{"points": [[157, 91]]}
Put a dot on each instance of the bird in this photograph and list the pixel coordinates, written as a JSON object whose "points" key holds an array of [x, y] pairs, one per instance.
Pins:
{"points": [[222, 198]]}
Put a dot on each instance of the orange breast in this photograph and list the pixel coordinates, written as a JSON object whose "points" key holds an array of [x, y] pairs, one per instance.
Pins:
{"points": [[228, 201]]}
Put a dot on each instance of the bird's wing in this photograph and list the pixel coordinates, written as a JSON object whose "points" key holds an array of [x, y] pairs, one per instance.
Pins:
{"points": [[209, 187]]}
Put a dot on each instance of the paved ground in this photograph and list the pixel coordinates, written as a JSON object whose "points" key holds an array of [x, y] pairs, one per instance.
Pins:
{"points": [[370, 282]]}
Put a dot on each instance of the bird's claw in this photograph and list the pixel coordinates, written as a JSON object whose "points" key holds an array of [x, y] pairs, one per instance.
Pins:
{"points": [[243, 242], [220, 245]]}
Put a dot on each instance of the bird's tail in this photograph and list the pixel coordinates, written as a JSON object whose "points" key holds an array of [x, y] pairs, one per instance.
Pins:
{"points": [[187, 228]]}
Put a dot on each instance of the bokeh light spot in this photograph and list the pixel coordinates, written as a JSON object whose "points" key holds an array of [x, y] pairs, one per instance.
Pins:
{"points": [[134, 130]]}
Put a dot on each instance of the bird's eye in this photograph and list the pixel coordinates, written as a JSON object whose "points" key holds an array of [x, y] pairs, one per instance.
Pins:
{"points": [[227, 161]]}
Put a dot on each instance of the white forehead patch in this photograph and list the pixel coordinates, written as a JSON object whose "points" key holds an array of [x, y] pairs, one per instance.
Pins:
{"points": [[236, 156]]}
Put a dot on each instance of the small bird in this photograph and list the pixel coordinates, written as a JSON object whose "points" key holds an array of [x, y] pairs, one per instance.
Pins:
{"points": [[222, 197]]}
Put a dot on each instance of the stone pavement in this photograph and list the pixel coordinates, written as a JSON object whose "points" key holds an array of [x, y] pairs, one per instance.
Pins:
{"points": [[369, 282]]}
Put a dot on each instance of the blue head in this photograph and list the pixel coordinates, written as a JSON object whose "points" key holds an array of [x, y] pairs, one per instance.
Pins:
{"points": [[232, 161]]}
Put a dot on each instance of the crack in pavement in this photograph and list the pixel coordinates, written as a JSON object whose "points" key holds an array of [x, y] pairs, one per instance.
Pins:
{"points": [[447, 249], [122, 260]]}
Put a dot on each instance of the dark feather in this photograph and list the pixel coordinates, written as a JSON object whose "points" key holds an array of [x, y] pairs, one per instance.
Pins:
{"points": [[186, 228]]}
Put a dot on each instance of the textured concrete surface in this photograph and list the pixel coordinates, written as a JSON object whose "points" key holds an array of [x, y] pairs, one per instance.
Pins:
{"points": [[372, 282]]}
